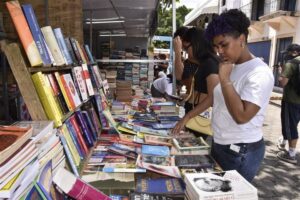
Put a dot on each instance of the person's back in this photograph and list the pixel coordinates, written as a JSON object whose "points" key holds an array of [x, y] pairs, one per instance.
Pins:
{"points": [[162, 87]]}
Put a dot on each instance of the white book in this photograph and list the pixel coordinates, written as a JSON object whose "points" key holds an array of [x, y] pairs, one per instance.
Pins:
{"points": [[53, 45], [217, 186], [86, 76], [71, 87], [80, 82]]}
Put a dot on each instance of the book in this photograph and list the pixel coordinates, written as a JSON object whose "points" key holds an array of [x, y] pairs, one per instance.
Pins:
{"points": [[155, 150], [122, 167], [75, 187], [87, 79], [53, 46], [90, 125], [69, 86], [37, 34], [223, 185], [76, 51], [171, 171], [158, 160], [146, 196], [187, 143], [75, 140], [84, 128], [79, 134], [35, 193], [87, 49], [47, 99], [11, 139], [157, 140], [195, 161], [62, 45], [64, 92], [70, 49], [80, 82], [24, 33], [44, 180], [166, 186]]}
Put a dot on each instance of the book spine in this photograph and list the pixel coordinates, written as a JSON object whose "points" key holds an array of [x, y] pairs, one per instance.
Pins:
{"points": [[62, 45], [79, 133], [53, 46], [95, 119], [74, 139], [24, 33], [90, 125], [62, 89], [68, 154], [76, 51], [71, 144], [80, 52], [87, 49], [86, 77], [93, 78], [46, 98], [68, 92], [85, 54], [84, 128], [77, 74], [37, 34], [71, 52]]}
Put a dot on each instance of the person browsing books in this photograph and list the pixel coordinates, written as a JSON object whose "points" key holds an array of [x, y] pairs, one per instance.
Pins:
{"points": [[162, 87], [205, 74], [241, 98]]}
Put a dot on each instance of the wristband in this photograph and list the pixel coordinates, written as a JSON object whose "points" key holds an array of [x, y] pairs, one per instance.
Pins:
{"points": [[226, 84]]}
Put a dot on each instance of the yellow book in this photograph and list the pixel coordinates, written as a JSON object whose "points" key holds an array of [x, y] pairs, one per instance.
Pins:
{"points": [[62, 88], [71, 144], [47, 99], [126, 130]]}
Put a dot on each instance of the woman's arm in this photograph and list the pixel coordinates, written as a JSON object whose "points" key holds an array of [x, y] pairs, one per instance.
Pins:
{"points": [[241, 111], [178, 59], [212, 81]]}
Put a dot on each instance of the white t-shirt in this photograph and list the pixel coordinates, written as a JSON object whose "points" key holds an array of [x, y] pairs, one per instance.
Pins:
{"points": [[163, 85], [253, 81]]}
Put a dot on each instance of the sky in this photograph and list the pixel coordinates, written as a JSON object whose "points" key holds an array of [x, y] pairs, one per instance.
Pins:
{"points": [[189, 3]]}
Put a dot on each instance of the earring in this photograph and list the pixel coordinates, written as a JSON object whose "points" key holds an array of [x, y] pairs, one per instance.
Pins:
{"points": [[243, 45]]}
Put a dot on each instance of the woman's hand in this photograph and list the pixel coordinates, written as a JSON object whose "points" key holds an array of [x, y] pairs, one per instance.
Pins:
{"points": [[225, 69], [177, 43], [180, 125]]}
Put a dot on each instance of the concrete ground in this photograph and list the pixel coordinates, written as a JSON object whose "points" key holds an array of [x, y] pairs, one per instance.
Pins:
{"points": [[277, 180]]}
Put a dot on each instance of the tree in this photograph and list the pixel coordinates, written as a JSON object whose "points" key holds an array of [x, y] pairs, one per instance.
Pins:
{"points": [[165, 21]]}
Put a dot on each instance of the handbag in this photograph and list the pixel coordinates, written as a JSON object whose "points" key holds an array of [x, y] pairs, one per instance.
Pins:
{"points": [[198, 123]]}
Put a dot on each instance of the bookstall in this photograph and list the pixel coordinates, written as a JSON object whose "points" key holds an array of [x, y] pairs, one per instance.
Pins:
{"points": [[85, 143]]}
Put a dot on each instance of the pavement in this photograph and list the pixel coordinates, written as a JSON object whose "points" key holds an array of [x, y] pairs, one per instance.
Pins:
{"points": [[276, 180]]}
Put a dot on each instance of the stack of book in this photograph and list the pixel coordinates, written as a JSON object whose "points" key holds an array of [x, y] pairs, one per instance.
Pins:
{"points": [[165, 108], [124, 91], [223, 185], [135, 74], [128, 71]]}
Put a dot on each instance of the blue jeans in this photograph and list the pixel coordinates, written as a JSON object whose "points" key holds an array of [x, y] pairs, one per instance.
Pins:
{"points": [[246, 162]]}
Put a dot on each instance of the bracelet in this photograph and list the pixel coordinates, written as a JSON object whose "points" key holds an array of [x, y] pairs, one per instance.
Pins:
{"points": [[226, 84]]}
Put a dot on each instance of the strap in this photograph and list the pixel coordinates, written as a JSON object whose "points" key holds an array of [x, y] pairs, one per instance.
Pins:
{"points": [[192, 93]]}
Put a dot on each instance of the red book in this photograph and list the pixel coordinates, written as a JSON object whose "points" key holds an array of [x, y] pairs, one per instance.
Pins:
{"points": [[79, 134], [75, 187]]}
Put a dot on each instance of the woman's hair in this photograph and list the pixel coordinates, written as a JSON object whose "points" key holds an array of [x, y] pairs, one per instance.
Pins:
{"points": [[180, 31], [202, 48], [232, 22]]}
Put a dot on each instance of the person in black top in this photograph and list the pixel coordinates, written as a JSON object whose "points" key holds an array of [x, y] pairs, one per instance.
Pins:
{"points": [[204, 68]]}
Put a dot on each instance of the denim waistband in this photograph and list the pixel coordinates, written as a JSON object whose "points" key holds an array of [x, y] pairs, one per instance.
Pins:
{"points": [[245, 147]]}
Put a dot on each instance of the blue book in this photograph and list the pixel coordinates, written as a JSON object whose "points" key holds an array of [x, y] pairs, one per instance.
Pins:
{"points": [[36, 33], [35, 193], [68, 154], [155, 150], [62, 45], [90, 125], [84, 128], [170, 186], [87, 49], [74, 138], [44, 181]]}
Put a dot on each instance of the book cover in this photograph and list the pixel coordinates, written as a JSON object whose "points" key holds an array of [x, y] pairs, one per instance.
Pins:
{"points": [[36, 33], [186, 143], [44, 180], [171, 171], [69, 86], [75, 139], [155, 150], [223, 185], [81, 82], [79, 134], [70, 49], [157, 140], [90, 125], [47, 99], [75, 187], [62, 45], [71, 144], [122, 167], [68, 154], [64, 92], [11, 139], [24, 33], [76, 51], [87, 79], [195, 161], [93, 78], [35, 194], [158, 160], [95, 118], [87, 49], [84, 128], [58, 94], [170, 186], [53, 46]]}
